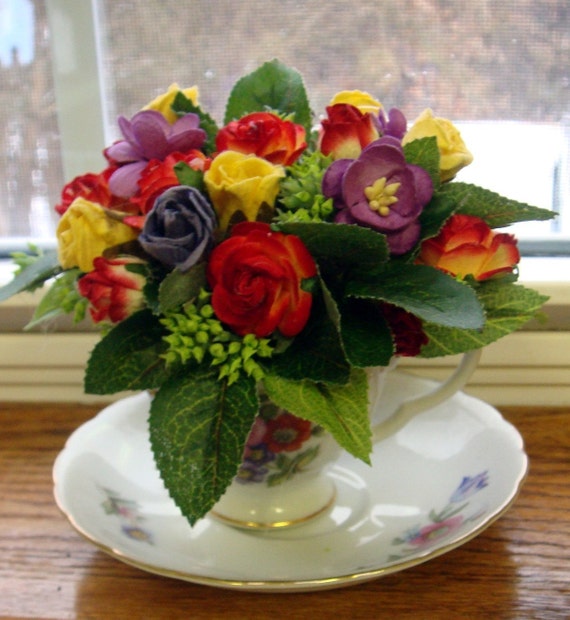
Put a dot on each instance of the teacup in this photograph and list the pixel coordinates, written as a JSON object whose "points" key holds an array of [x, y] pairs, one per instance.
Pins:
{"points": [[282, 480]]}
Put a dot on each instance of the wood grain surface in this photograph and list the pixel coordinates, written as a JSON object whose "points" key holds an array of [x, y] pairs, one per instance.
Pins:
{"points": [[516, 569]]}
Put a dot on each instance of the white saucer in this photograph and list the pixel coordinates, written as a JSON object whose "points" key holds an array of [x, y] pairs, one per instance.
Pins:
{"points": [[433, 486]]}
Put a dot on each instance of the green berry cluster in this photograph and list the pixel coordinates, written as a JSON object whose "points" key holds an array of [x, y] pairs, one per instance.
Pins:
{"points": [[300, 198], [196, 335]]}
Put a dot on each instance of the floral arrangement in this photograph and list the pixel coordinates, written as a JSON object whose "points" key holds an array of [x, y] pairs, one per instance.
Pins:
{"points": [[278, 252]]}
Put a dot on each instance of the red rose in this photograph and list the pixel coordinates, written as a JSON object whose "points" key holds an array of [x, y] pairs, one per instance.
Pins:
{"points": [[92, 187], [346, 131], [265, 135], [113, 292], [406, 328], [256, 277], [159, 176], [466, 245]]}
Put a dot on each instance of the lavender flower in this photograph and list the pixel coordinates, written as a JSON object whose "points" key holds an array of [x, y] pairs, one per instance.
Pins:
{"points": [[395, 124], [469, 486], [148, 135]]}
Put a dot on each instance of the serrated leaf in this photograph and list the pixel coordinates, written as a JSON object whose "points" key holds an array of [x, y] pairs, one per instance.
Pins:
{"points": [[183, 105], [128, 357], [45, 267], [317, 355], [342, 243], [62, 297], [273, 86], [435, 214], [491, 207], [426, 292], [425, 154], [366, 336], [177, 288], [340, 409], [198, 429], [507, 306]]}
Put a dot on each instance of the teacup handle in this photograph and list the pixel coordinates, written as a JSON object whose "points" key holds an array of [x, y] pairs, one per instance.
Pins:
{"points": [[410, 408]]}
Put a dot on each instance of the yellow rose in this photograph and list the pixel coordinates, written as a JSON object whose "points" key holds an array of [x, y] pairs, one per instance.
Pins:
{"points": [[163, 102], [85, 231], [361, 100], [240, 182], [454, 155]]}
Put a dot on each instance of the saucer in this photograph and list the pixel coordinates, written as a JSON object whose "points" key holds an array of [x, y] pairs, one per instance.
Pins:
{"points": [[433, 486]]}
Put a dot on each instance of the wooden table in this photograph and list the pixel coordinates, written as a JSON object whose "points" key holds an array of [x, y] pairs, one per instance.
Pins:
{"points": [[518, 568]]}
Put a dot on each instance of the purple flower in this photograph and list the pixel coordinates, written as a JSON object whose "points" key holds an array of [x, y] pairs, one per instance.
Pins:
{"points": [[379, 190], [179, 228], [258, 455], [249, 472], [137, 533], [394, 125], [148, 135], [469, 486]]}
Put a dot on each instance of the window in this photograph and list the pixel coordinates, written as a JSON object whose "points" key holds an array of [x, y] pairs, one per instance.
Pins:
{"points": [[497, 68]]}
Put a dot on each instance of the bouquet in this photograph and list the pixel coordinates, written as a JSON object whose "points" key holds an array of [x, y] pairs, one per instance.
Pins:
{"points": [[280, 254]]}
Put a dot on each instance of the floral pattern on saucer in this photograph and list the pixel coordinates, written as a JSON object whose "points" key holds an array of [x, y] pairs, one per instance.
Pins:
{"points": [[446, 521], [129, 516]]}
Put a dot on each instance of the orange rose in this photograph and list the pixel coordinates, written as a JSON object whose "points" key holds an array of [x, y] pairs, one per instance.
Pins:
{"points": [[256, 277], [466, 246], [346, 131], [265, 135]]}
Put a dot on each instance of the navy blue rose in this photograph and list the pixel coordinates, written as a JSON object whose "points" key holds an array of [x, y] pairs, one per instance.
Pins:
{"points": [[179, 228]]}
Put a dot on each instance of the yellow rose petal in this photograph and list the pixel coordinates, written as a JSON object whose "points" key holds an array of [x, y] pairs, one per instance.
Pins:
{"points": [[359, 99], [163, 102], [239, 182], [85, 231], [454, 155]]}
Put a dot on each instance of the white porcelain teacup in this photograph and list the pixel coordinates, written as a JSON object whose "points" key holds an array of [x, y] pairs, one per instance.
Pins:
{"points": [[282, 479]]}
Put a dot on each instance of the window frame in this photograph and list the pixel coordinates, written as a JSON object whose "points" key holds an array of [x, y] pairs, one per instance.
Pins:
{"points": [[78, 83]]}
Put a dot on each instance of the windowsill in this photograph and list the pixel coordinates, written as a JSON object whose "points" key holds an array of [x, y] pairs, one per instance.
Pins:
{"points": [[548, 275], [529, 367]]}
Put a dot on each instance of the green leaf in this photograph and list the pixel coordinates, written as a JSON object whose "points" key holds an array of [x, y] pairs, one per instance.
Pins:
{"points": [[340, 409], [507, 306], [317, 355], [426, 292], [340, 243], [45, 267], [189, 176], [435, 214], [366, 336], [425, 154], [496, 210], [62, 297], [182, 105], [198, 429], [177, 288], [128, 357], [273, 86]]}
